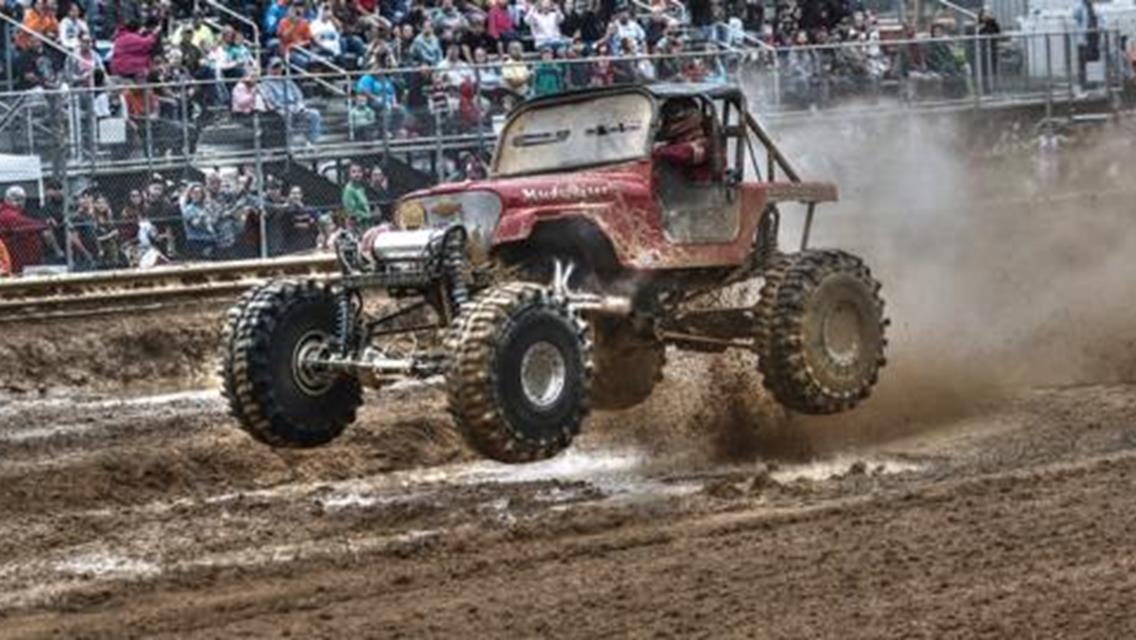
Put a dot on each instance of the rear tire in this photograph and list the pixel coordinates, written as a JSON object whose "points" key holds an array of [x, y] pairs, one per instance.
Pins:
{"points": [[520, 380], [821, 337], [627, 367], [274, 398]]}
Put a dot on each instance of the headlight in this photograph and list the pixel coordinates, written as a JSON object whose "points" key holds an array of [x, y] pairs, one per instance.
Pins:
{"points": [[478, 211]]}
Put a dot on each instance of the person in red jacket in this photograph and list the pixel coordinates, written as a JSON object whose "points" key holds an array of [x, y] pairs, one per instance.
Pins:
{"points": [[684, 142], [23, 237], [5, 261], [133, 48]]}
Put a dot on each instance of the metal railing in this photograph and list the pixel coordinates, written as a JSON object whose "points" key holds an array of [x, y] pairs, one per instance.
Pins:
{"points": [[973, 71], [244, 20], [186, 121], [323, 79], [10, 24], [84, 294]]}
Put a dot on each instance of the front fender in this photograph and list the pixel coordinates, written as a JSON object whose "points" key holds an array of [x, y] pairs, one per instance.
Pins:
{"points": [[519, 224]]}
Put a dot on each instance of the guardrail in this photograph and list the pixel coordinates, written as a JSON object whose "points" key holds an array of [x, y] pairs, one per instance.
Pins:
{"points": [[947, 73], [10, 23], [244, 20], [71, 295]]}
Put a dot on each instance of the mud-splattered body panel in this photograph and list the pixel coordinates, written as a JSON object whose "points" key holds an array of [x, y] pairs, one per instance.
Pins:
{"points": [[622, 203]]}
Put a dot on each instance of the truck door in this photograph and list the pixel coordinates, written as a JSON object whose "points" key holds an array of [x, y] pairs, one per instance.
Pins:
{"points": [[699, 206]]}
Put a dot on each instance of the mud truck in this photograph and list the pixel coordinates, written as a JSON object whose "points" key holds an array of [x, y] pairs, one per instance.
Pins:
{"points": [[556, 286]]}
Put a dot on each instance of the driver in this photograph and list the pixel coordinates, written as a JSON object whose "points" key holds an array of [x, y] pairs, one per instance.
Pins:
{"points": [[683, 140]]}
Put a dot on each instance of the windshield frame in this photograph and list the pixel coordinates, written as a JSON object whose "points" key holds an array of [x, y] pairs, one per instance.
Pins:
{"points": [[567, 99]]}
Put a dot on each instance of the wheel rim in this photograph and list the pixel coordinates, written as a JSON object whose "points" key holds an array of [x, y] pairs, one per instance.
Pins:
{"points": [[309, 377], [841, 334], [544, 374]]}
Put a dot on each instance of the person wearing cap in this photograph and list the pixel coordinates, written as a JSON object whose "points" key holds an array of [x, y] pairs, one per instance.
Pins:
{"points": [[283, 96], [22, 235]]}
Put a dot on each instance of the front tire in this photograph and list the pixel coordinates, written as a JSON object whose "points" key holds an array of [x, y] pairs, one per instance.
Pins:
{"points": [[822, 334], [519, 382], [274, 397]]}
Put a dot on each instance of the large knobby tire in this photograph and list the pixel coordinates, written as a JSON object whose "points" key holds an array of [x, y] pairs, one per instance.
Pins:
{"points": [[519, 380], [627, 368], [821, 331], [273, 398]]}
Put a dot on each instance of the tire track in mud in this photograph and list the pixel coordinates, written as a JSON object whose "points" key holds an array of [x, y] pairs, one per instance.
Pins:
{"points": [[104, 491], [110, 498], [69, 539], [909, 548]]}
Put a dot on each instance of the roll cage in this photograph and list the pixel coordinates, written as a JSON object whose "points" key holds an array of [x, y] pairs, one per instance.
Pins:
{"points": [[734, 126]]}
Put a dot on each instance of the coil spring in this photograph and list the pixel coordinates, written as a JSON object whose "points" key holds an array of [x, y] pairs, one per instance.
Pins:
{"points": [[766, 241], [453, 265], [344, 321]]}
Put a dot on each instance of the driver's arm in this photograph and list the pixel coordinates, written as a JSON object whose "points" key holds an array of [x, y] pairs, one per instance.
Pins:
{"points": [[691, 153]]}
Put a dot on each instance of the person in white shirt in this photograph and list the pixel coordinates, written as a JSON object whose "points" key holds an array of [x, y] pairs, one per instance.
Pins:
{"points": [[325, 33], [625, 27], [455, 70], [544, 23], [149, 239], [72, 28], [80, 68], [328, 39], [490, 73]]}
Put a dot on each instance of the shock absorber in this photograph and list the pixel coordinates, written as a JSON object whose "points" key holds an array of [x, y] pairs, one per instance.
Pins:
{"points": [[454, 265], [344, 321], [766, 241]]}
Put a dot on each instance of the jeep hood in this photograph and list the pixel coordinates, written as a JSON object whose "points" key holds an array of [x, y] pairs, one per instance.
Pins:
{"points": [[544, 190]]}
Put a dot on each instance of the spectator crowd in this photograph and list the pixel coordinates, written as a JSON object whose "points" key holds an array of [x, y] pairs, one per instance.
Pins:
{"points": [[166, 69], [215, 218], [457, 61]]}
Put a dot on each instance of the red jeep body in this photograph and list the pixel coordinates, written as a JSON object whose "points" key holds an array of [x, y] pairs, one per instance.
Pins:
{"points": [[618, 194]]}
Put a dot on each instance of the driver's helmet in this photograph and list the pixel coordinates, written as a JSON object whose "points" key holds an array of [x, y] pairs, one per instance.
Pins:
{"points": [[681, 120]]}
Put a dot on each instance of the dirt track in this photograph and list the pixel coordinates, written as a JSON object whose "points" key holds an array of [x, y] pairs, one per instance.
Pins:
{"points": [[152, 517], [984, 490]]}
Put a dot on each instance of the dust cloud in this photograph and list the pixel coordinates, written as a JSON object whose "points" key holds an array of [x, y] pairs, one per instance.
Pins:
{"points": [[994, 267], [1002, 271]]}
